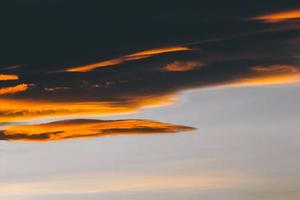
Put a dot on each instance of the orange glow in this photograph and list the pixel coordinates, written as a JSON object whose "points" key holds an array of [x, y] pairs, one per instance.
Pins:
{"points": [[87, 128], [267, 80], [15, 110], [130, 57], [153, 52], [8, 77], [14, 89], [271, 75], [277, 69], [182, 66], [280, 16]]}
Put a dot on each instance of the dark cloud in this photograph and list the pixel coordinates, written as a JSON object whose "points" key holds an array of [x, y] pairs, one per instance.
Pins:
{"points": [[48, 38]]}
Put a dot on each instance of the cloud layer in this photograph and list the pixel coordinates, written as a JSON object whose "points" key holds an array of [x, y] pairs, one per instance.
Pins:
{"points": [[113, 62], [130, 57], [280, 16], [86, 128]]}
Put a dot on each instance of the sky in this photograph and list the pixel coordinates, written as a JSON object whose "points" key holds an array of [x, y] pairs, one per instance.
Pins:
{"points": [[149, 100]]}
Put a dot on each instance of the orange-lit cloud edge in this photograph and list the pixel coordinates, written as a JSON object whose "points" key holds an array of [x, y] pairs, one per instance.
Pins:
{"points": [[130, 57], [268, 75], [83, 128], [14, 110], [279, 16], [14, 89], [20, 110], [8, 77]]}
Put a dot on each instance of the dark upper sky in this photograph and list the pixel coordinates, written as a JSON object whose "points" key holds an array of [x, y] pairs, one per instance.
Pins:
{"points": [[227, 42]]}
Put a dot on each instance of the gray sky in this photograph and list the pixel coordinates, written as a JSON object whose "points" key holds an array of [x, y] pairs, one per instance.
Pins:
{"points": [[246, 146]]}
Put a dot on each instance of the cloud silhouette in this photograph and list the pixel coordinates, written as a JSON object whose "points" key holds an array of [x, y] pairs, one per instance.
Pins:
{"points": [[83, 128]]}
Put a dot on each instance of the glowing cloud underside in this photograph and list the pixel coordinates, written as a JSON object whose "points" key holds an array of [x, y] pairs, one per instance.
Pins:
{"points": [[8, 77], [130, 57], [13, 89], [268, 75], [280, 16], [19, 110], [86, 128]]}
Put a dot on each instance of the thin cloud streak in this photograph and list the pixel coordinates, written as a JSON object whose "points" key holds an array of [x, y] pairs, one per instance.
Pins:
{"points": [[280, 16], [130, 57], [182, 66], [19, 110], [8, 77], [83, 128], [131, 182], [14, 89]]}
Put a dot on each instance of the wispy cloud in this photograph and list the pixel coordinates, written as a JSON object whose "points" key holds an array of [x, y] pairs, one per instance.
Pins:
{"points": [[14, 89], [130, 57], [19, 110], [181, 66], [86, 128], [279, 16], [52, 89], [90, 183], [8, 77]]}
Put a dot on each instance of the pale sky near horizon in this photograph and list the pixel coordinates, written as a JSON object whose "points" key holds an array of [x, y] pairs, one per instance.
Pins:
{"points": [[246, 147]]}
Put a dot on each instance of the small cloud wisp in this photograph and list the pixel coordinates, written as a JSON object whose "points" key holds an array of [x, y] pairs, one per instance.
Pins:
{"points": [[279, 16], [182, 66], [14, 89]]}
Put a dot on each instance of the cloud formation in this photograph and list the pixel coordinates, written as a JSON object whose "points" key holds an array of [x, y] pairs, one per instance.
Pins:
{"points": [[81, 128], [280, 16], [8, 77], [20, 110], [130, 57], [269, 75], [181, 66], [14, 89], [188, 47]]}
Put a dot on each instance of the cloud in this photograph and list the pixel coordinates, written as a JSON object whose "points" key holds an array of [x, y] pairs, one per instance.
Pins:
{"points": [[232, 51], [12, 110], [280, 16], [269, 75], [8, 77], [14, 89], [130, 57], [13, 67], [157, 89], [83, 128], [52, 89], [181, 66]]}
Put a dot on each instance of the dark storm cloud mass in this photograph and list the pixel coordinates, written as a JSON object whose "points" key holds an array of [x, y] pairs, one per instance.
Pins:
{"points": [[220, 42]]}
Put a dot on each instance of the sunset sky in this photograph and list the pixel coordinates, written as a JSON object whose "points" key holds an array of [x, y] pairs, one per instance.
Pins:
{"points": [[149, 100]]}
